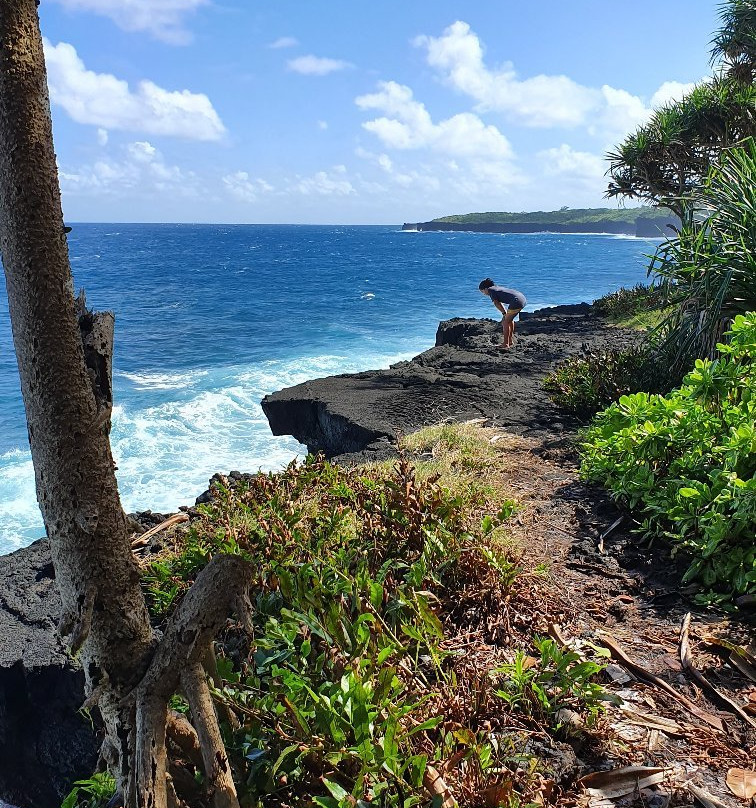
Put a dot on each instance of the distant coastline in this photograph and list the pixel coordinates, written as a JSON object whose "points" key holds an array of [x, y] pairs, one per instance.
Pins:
{"points": [[640, 222]]}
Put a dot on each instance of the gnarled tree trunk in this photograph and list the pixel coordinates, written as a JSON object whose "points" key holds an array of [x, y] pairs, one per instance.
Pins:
{"points": [[64, 364]]}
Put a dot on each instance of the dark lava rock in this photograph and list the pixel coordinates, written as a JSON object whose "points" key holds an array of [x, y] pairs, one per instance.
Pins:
{"points": [[463, 376], [45, 744]]}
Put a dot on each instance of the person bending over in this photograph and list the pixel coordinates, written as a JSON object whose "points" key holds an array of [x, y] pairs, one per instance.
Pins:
{"points": [[515, 304]]}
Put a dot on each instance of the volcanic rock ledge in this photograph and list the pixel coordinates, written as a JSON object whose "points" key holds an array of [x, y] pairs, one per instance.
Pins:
{"points": [[45, 744], [463, 376]]}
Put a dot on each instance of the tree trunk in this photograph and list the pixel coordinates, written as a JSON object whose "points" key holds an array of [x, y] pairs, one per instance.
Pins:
{"points": [[64, 364], [67, 407]]}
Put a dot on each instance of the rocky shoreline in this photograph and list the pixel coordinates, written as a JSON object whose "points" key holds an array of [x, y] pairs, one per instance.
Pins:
{"points": [[358, 416], [45, 743]]}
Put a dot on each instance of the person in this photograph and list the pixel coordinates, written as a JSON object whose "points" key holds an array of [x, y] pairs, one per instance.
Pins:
{"points": [[515, 304]]}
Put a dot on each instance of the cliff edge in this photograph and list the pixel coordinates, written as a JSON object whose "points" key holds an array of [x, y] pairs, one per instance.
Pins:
{"points": [[463, 376]]}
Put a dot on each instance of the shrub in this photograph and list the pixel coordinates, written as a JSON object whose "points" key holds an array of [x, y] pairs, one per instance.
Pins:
{"points": [[583, 385], [686, 462], [350, 684], [626, 303]]}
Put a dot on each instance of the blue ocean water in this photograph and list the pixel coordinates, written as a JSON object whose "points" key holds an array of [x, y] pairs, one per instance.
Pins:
{"points": [[210, 318]]}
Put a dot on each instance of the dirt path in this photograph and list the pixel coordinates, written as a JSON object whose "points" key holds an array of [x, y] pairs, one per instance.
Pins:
{"points": [[619, 591]]}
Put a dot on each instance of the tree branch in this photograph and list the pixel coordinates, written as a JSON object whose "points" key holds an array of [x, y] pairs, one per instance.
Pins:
{"points": [[216, 763]]}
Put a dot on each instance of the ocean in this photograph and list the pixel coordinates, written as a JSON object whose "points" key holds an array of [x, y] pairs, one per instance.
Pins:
{"points": [[210, 318]]}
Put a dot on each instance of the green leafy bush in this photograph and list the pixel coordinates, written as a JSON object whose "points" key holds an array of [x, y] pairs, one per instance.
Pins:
{"points": [[332, 694], [352, 683], [686, 462], [583, 385], [625, 303], [557, 680]]}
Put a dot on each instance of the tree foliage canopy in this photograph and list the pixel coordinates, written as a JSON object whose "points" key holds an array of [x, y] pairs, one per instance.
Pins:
{"points": [[668, 157]]}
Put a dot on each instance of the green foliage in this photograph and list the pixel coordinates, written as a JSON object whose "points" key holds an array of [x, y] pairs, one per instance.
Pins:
{"points": [[563, 216], [333, 693], [92, 793], [686, 462], [557, 680], [581, 386], [735, 42], [669, 157], [708, 272], [625, 303]]}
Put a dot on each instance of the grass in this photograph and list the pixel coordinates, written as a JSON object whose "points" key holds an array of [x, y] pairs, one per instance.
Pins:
{"points": [[641, 321]]}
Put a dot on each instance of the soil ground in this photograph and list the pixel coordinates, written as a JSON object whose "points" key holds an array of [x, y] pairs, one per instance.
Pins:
{"points": [[621, 590]]}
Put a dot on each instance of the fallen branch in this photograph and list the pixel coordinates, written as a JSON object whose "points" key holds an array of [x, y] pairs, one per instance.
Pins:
{"points": [[614, 525], [176, 519], [619, 655], [686, 658], [703, 797]]}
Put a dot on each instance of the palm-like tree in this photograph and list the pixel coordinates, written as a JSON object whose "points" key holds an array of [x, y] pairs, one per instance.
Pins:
{"points": [[709, 269], [668, 158], [734, 45]]}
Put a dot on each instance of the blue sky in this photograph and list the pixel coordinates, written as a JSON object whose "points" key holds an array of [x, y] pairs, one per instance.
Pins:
{"points": [[351, 112]]}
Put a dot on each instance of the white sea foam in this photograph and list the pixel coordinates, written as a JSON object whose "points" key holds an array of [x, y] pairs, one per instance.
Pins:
{"points": [[20, 519], [173, 431], [626, 237], [162, 381]]}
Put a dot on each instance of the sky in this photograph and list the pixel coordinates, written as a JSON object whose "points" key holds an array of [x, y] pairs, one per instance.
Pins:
{"points": [[349, 112]]}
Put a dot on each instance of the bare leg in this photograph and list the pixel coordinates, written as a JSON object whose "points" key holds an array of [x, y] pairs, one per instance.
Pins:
{"points": [[507, 328]]}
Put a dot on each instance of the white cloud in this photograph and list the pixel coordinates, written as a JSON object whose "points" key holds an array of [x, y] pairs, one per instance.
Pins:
{"points": [[326, 183], [284, 42], [323, 125], [670, 91], [565, 161], [316, 65], [538, 101], [241, 186], [101, 99], [571, 177], [142, 168], [161, 18], [102, 137], [411, 126]]}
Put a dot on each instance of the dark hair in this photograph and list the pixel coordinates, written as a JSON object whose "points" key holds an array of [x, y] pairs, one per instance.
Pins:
{"points": [[486, 284]]}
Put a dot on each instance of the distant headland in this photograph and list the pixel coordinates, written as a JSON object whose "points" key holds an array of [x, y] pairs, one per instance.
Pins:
{"points": [[645, 222]]}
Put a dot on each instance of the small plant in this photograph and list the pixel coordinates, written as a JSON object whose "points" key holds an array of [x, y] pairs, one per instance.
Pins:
{"points": [[583, 385], [92, 793], [558, 679]]}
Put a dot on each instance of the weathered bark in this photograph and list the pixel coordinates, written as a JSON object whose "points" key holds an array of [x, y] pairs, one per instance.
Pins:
{"points": [[64, 358], [67, 410]]}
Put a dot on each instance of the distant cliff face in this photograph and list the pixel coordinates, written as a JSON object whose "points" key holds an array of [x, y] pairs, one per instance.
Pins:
{"points": [[643, 226]]}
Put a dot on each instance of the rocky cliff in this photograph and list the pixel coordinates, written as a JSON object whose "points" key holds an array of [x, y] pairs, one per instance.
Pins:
{"points": [[463, 376], [45, 743], [646, 227]]}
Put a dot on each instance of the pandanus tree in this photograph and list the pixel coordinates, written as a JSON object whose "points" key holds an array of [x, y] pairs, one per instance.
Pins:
{"points": [[669, 157], [709, 269], [64, 354], [734, 45]]}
